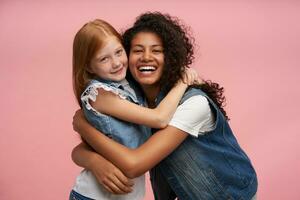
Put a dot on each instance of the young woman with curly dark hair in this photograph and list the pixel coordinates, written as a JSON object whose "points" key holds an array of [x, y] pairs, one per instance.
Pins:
{"points": [[196, 156]]}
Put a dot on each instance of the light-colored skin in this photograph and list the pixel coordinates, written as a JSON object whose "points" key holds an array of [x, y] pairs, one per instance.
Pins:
{"points": [[132, 162], [110, 63], [158, 117]]}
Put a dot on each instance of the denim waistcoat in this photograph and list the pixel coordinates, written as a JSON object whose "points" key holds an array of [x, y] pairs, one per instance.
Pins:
{"points": [[211, 166], [126, 133]]}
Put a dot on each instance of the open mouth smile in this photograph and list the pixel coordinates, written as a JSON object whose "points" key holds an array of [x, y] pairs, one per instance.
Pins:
{"points": [[147, 69]]}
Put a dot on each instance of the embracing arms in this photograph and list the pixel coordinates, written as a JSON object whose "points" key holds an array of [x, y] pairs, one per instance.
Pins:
{"points": [[132, 162], [105, 172], [110, 104]]}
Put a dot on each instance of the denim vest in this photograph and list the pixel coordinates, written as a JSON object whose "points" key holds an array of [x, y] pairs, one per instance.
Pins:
{"points": [[210, 167], [126, 133]]}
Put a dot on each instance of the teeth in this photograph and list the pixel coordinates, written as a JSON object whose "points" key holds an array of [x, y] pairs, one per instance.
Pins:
{"points": [[147, 68]]}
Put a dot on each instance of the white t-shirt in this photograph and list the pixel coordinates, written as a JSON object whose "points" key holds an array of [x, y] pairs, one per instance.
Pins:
{"points": [[87, 185], [194, 116]]}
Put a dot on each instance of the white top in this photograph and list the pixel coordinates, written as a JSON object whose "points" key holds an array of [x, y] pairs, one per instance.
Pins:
{"points": [[194, 116], [86, 184]]}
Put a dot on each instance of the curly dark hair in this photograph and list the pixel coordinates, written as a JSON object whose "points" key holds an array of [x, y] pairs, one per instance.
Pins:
{"points": [[178, 51]]}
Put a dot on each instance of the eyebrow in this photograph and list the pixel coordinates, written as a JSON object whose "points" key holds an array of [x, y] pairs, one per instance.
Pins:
{"points": [[154, 45], [118, 48]]}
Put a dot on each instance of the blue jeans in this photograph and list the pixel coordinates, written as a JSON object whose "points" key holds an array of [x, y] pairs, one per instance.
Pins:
{"points": [[76, 196]]}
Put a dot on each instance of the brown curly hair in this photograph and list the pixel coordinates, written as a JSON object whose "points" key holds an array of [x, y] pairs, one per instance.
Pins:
{"points": [[178, 51]]}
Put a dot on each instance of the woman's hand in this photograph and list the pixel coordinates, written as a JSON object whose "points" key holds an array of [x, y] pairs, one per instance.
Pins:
{"points": [[110, 177], [191, 77], [107, 174]]}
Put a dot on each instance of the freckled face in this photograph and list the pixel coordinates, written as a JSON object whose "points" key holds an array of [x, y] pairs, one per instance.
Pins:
{"points": [[146, 58], [110, 62]]}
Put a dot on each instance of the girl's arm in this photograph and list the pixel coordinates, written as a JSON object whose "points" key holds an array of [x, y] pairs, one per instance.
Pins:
{"points": [[159, 117], [105, 172], [132, 162]]}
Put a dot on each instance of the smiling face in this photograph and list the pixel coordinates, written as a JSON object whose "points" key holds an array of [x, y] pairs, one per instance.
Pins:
{"points": [[110, 61], [146, 59]]}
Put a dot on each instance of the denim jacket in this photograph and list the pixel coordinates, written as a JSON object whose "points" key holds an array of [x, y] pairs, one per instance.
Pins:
{"points": [[210, 167], [126, 133]]}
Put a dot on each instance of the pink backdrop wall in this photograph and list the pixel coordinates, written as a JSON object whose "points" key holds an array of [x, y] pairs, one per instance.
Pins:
{"points": [[251, 48]]}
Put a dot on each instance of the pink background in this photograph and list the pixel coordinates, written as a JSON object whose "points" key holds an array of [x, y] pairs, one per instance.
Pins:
{"points": [[251, 48]]}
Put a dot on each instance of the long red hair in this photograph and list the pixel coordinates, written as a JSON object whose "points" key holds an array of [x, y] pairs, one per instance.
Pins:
{"points": [[88, 40]]}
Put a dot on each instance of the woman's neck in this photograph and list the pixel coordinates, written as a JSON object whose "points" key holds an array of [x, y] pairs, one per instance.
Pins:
{"points": [[151, 92]]}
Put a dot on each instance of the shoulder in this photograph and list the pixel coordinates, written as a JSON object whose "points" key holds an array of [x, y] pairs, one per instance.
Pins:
{"points": [[193, 115], [196, 98], [94, 87], [197, 104]]}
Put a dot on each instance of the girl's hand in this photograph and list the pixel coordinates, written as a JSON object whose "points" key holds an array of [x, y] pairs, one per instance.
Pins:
{"points": [[110, 177], [191, 77]]}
